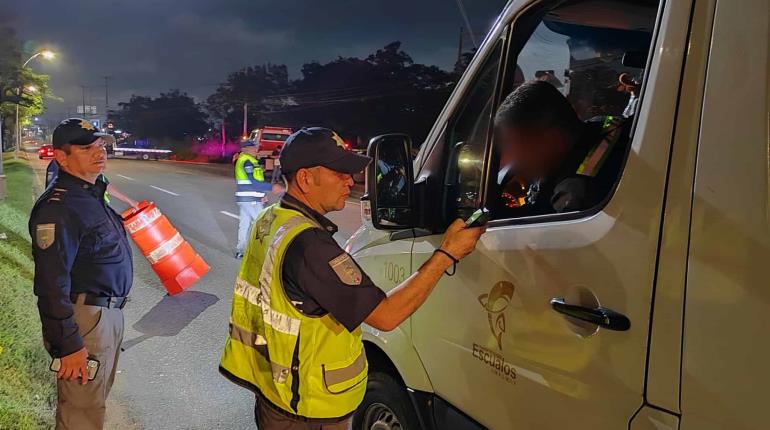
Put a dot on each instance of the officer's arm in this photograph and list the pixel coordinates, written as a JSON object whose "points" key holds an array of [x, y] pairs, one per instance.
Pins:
{"points": [[112, 189], [403, 300], [254, 171], [55, 241]]}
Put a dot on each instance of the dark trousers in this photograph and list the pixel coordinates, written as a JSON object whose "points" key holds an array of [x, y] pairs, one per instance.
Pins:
{"points": [[268, 418]]}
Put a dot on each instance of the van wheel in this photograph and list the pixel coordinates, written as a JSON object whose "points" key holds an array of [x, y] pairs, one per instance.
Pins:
{"points": [[386, 406], [145, 157]]}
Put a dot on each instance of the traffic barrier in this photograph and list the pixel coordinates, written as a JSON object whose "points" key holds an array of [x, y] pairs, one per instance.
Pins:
{"points": [[174, 261]]}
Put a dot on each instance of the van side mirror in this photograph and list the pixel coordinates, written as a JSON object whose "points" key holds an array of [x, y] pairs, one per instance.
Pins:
{"points": [[390, 182]]}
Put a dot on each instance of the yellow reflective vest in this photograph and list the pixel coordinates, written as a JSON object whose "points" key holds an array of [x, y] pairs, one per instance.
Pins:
{"points": [[247, 175], [309, 366]]}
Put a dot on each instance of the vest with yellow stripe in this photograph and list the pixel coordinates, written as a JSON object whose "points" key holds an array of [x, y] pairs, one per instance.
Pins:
{"points": [[308, 366], [246, 189]]}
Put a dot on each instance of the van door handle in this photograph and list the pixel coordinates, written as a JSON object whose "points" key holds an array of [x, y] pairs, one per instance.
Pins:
{"points": [[603, 317]]}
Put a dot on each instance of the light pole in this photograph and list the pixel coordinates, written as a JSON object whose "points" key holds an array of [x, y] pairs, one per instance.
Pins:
{"points": [[48, 55]]}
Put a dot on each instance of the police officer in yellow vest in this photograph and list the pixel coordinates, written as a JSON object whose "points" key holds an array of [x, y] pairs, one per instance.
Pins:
{"points": [[250, 189], [295, 336]]}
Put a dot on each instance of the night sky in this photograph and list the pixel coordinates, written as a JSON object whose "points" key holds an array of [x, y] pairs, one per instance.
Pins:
{"points": [[149, 46]]}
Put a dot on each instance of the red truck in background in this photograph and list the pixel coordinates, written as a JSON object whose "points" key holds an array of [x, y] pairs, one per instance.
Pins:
{"points": [[269, 141]]}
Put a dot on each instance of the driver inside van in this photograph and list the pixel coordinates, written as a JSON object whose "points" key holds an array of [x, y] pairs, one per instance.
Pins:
{"points": [[552, 162]]}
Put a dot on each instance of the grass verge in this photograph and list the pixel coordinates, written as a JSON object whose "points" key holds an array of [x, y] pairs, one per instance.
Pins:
{"points": [[27, 387]]}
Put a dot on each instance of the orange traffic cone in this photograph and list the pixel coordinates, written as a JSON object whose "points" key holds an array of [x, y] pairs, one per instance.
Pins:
{"points": [[174, 261]]}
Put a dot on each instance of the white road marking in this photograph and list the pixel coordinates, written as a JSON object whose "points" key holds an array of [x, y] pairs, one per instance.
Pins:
{"points": [[229, 214], [126, 177], [164, 190], [355, 203]]}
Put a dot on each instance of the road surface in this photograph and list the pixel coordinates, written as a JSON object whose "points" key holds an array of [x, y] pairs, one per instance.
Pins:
{"points": [[167, 375]]}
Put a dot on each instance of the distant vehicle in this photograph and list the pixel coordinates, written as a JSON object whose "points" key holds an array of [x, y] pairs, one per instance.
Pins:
{"points": [[139, 149], [269, 140], [45, 152]]}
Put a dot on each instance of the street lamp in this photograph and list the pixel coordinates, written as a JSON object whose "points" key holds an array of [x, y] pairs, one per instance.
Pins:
{"points": [[48, 55]]}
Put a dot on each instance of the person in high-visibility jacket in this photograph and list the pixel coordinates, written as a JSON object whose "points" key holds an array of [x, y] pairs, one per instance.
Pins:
{"points": [[250, 189], [299, 301]]}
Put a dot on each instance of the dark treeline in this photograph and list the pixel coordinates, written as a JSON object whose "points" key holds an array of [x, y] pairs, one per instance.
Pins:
{"points": [[360, 98]]}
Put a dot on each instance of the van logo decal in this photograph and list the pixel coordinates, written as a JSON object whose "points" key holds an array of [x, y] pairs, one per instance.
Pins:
{"points": [[495, 304]]}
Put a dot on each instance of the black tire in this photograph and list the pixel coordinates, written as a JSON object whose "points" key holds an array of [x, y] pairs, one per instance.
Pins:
{"points": [[145, 157], [386, 406]]}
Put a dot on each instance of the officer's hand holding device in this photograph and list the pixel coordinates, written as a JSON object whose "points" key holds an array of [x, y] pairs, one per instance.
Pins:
{"points": [[462, 235], [71, 367], [478, 218]]}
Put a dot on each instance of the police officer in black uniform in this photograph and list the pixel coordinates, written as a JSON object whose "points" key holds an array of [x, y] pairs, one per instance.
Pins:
{"points": [[83, 273], [557, 162]]}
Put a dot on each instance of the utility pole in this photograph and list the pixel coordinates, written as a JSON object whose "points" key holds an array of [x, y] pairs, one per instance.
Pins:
{"points": [[224, 138], [107, 92], [460, 48], [84, 100], [245, 119], [106, 97], [467, 22]]}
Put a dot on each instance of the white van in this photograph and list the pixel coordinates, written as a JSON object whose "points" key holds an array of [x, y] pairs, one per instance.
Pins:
{"points": [[649, 311]]}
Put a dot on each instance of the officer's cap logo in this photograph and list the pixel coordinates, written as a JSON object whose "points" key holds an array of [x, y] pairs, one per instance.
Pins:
{"points": [[338, 140]]}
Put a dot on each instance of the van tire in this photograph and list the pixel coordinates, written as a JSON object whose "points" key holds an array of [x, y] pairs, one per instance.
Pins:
{"points": [[387, 403], [145, 157]]}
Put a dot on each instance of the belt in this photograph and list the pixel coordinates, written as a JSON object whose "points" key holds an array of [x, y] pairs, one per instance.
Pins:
{"points": [[105, 302]]}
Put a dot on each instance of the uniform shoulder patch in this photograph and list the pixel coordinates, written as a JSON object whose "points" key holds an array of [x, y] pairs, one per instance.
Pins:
{"points": [[45, 235], [346, 269], [56, 195]]}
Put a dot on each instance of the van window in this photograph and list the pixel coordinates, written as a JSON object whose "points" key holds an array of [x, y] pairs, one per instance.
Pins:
{"points": [[593, 52], [468, 134], [275, 136]]}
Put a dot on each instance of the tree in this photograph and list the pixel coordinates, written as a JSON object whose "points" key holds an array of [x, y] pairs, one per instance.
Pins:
{"points": [[252, 86], [18, 85], [357, 97], [361, 98], [172, 116]]}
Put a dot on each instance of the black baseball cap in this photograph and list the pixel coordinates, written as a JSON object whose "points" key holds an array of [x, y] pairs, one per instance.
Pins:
{"points": [[77, 131], [317, 146]]}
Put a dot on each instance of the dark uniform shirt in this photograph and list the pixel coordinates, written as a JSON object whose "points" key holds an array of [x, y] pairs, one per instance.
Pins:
{"points": [[79, 246], [311, 281]]}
